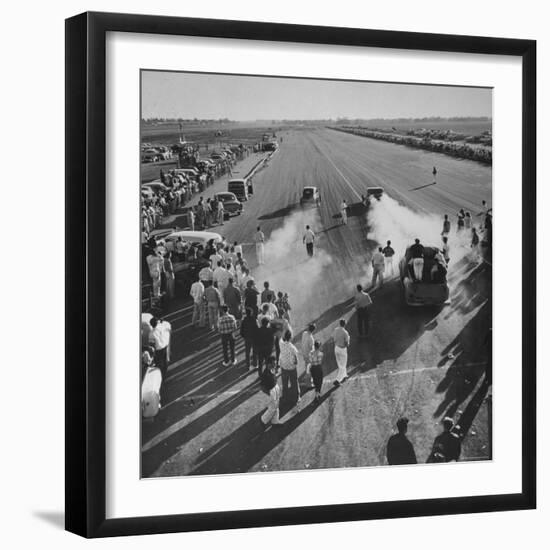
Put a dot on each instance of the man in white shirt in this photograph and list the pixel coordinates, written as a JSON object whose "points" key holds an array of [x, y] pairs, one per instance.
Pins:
{"points": [[221, 277], [197, 293], [344, 211], [341, 343], [160, 340], [214, 259], [288, 361], [309, 238], [206, 275], [259, 239], [220, 212], [378, 265]]}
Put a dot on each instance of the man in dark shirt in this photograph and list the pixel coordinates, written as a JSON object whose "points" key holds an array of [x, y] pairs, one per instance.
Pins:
{"points": [[447, 445], [251, 297], [249, 328], [417, 259], [400, 450], [388, 252], [265, 338]]}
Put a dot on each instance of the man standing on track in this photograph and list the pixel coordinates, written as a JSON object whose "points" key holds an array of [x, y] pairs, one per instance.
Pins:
{"points": [[378, 263], [434, 172], [388, 252], [259, 239], [344, 212], [309, 238], [363, 303], [341, 344]]}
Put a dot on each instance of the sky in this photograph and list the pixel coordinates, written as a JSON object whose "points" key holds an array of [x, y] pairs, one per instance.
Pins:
{"points": [[207, 96]]}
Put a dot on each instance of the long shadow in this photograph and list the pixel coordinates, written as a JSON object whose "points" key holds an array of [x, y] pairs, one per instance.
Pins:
{"points": [[471, 350], [422, 186], [248, 444], [155, 456], [278, 213]]}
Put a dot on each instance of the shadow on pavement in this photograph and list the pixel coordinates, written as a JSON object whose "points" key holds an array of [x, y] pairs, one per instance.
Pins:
{"points": [[279, 213], [248, 444]]}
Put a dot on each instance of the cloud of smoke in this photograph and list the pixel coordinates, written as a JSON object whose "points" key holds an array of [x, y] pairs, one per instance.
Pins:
{"points": [[288, 268], [390, 220]]}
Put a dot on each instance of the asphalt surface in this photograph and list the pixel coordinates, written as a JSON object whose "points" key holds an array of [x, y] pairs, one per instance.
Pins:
{"points": [[424, 363]]}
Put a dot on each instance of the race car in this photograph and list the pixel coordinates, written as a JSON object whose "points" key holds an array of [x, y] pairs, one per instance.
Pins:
{"points": [[310, 195], [432, 289]]}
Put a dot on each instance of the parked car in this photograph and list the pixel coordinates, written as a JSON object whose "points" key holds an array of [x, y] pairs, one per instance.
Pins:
{"points": [[432, 289], [191, 237], [231, 205], [241, 187], [310, 195], [155, 185], [150, 155]]}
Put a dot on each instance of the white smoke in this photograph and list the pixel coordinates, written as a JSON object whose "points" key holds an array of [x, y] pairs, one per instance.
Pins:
{"points": [[288, 268], [390, 220]]}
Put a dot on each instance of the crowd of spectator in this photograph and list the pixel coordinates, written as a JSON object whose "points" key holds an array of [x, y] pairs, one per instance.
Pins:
{"points": [[452, 148]]}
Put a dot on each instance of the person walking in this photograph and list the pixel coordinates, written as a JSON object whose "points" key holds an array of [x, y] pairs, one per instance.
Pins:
{"points": [[363, 303], [344, 211], [399, 449], [213, 299], [316, 369], [389, 253], [378, 265], [341, 340], [259, 239], [308, 239], [248, 332], [417, 259], [227, 325], [232, 298], [288, 361], [197, 293]]}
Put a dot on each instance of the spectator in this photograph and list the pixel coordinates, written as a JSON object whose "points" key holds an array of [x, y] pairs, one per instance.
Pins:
{"points": [[259, 239], [170, 276], [227, 325], [468, 221], [197, 293], [159, 338], [191, 218], [266, 292], [251, 296], [363, 303], [445, 250], [341, 340], [264, 344], [308, 239], [389, 253], [156, 264], [344, 212], [446, 226], [447, 446], [221, 212], [272, 389], [399, 449], [283, 307], [206, 275], [213, 299], [248, 333], [316, 369], [272, 308], [307, 344], [221, 278], [288, 362], [378, 263], [232, 298]]}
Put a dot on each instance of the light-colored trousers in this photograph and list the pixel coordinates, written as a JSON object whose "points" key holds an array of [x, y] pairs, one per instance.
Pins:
{"points": [[388, 262], [418, 267], [341, 355], [378, 273], [260, 252], [271, 415], [156, 283], [198, 314]]}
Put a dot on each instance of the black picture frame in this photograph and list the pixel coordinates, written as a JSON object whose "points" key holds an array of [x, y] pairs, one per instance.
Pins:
{"points": [[86, 283]]}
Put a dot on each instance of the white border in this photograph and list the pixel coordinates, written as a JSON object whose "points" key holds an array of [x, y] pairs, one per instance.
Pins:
{"points": [[127, 495]]}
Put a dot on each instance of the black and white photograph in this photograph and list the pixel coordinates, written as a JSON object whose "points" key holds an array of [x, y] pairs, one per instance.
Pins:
{"points": [[316, 274]]}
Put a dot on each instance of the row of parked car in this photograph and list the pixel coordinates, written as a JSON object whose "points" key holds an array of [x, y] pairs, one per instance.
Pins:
{"points": [[156, 153]]}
